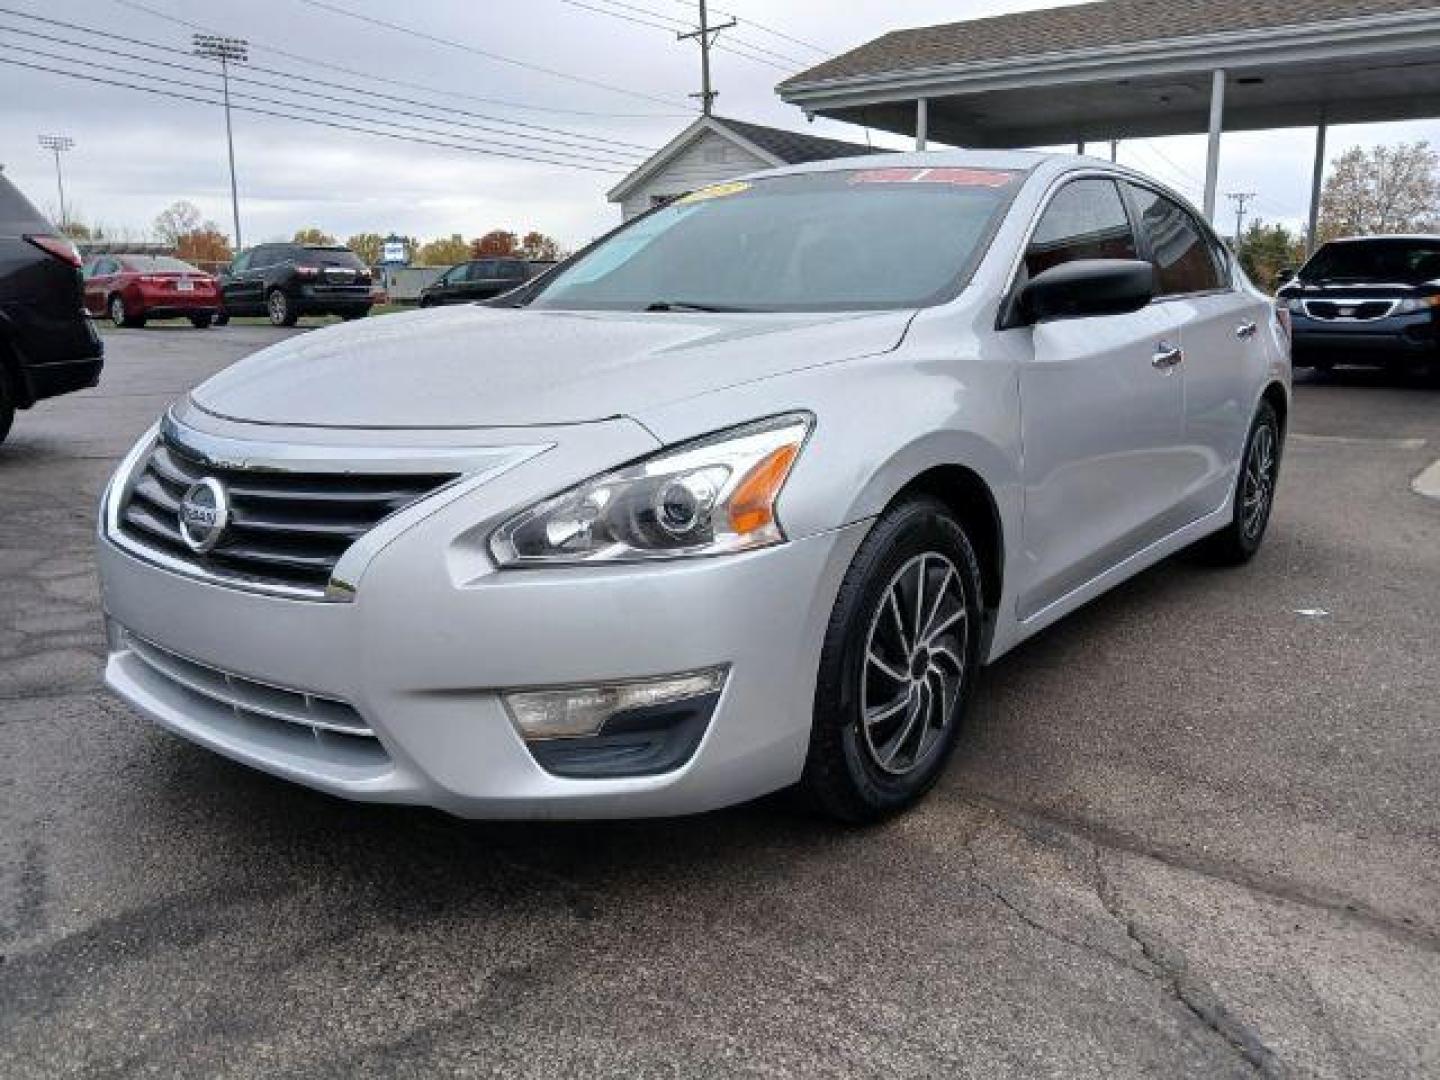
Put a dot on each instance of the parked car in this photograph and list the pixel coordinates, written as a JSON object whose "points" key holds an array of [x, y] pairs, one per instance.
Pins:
{"points": [[742, 497], [1368, 300], [286, 281], [47, 345], [479, 279], [132, 289]]}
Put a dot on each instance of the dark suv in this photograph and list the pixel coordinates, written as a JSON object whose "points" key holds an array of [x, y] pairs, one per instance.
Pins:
{"points": [[479, 279], [47, 345], [285, 281], [1371, 300]]}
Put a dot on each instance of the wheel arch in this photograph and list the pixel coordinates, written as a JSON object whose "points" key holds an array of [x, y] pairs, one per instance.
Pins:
{"points": [[12, 382], [1279, 400]]}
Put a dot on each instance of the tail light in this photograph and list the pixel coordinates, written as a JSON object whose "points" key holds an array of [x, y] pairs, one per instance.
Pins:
{"points": [[57, 247]]}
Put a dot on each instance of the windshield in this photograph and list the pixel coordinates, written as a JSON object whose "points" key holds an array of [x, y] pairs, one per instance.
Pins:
{"points": [[158, 264], [849, 239], [329, 257], [1394, 260]]}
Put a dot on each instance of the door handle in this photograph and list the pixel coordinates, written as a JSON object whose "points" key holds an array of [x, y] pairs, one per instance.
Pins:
{"points": [[1245, 330], [1167, 356]]}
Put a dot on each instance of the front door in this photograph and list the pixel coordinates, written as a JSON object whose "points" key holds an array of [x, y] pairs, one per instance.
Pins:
{"points": [[1102, 411]]}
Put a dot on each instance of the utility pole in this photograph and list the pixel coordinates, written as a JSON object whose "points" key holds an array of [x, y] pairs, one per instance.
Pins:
{"points": [[1114, 150], [706, 36], [1239, 198], [226, 50], [57, 144]]}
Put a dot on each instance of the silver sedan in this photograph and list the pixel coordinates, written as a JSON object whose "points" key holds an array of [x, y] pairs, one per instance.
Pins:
{"points": [[739, 498]]}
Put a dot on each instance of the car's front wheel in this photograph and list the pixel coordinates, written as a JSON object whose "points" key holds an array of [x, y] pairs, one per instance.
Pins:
{"points": [[7, 409], [1240, 539], [278, 306], [201, 322], [222, 318], [900, 654]]}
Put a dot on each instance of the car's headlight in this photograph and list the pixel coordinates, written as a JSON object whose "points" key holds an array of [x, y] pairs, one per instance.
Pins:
{"points": [[709, 497], [1296, 305], [1416, 303]]}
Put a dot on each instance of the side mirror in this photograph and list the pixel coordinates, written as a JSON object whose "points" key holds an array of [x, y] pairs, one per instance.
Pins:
{"points": [[1084, 288]]}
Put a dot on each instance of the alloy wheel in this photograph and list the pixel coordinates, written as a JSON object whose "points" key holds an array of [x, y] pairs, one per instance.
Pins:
{"points": [[1259, 486], [277, 308], [117, 311], [914, 664]]}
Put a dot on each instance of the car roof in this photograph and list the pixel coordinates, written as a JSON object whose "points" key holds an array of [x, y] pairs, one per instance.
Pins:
{"points": [[1402, 237]]}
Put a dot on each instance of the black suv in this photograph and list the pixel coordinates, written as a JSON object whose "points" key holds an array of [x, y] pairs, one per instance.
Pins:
{"points": [[1372, 300], [285, 281], [47, 345], [479, 279]]}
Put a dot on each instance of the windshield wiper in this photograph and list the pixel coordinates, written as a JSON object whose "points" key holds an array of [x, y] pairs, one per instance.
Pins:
{"points": [[686, 305]]}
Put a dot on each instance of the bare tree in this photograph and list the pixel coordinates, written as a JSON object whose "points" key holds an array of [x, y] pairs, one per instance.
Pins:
{"points": [[177, 220], [1381, 190]]}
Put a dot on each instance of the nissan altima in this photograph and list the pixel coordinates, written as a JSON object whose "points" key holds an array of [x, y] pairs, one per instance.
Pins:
{"points": [[738, 499]]}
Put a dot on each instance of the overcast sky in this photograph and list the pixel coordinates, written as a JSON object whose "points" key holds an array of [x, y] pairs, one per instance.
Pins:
{"points": [[136, 153]]}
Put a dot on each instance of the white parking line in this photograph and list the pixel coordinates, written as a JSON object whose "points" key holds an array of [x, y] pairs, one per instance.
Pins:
{"points": [[1428, 482], [1299, 439]]}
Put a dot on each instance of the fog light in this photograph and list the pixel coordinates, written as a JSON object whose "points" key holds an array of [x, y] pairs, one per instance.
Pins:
{"points": [[578, 711]]}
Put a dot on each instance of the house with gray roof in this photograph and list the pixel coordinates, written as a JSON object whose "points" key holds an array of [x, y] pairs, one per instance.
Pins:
{"points": [[714, 149]]}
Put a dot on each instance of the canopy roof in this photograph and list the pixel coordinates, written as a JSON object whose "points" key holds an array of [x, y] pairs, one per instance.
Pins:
{"points": [[1128, 68]]}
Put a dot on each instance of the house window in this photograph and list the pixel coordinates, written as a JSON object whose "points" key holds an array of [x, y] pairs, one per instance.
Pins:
{"points": [[716, 155]]}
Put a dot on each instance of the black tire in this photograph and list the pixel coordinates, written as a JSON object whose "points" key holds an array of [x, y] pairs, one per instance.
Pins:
{"points": [[201, 322], [846, 774], [279, 308], [7, 408], [222, 318], [425, 302], [1240, 539], [120, 316]]}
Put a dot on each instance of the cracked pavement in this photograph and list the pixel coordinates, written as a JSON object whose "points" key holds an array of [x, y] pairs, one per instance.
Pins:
{"points": [[1190, 832]]}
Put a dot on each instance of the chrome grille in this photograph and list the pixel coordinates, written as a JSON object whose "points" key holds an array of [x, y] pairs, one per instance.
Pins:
{"points": [[285, 529], [1349, 310]]}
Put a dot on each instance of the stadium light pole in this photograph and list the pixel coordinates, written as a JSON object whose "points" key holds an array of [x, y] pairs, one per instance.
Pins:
{"points": [[227, 50], [57, 144]]}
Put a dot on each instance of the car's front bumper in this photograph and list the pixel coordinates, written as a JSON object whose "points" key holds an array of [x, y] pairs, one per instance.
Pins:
{"points": [[435, 632], [1399, 337]]}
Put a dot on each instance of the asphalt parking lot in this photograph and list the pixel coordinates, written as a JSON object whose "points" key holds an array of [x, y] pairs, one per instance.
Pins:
{"points": [[1192, 831]]}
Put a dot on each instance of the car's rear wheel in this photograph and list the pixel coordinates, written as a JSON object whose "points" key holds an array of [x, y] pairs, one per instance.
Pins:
{"points": [[900, 655], [277, 305], [7, 408], [1239, 540], [120, 314], [201, 322], [222, 318]]}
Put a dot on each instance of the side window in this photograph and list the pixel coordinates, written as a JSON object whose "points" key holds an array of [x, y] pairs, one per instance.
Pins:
{"points": [[1184, 259], [1085, 220], [241, 262], [482, 271]]}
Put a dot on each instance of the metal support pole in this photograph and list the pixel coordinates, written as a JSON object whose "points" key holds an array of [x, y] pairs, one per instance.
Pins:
{"points": [[922, 122], [1212, 158], [1317, 178], [60, 187], [230, 145], [1080, 147]]}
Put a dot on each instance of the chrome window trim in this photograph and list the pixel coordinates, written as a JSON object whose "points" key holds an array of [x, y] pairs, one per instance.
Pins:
{"points": [[476, 465]]}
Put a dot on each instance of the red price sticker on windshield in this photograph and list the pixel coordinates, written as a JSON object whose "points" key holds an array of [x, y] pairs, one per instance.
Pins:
{"points": [[961, 177]]}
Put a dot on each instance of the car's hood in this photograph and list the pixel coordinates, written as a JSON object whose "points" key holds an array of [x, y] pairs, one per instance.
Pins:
{"points": [[500, 367]]}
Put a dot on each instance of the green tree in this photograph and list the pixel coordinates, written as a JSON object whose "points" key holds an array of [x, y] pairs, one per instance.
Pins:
{"points": [[368, 246], [312, 235], [1386, 189], [1267, 249], [444, 252]]}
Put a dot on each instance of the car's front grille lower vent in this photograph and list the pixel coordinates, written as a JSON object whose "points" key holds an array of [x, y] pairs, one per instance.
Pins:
{"points": [[279, 528]]}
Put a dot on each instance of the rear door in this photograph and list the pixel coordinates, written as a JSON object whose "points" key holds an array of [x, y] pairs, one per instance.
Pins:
{"points": [[1220, 334], [1101, 410]]}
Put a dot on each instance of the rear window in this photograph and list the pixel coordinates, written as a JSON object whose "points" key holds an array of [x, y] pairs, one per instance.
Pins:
{"points": [[329, 257], [157, 264], [1408, 262], [509, 270]]}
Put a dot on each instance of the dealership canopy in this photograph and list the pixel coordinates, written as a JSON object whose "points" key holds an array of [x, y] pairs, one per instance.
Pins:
{"points": [[1137, 68]]}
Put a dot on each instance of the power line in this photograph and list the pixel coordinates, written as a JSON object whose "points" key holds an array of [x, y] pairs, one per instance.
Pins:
{"points": [[1239, 198], [768, 30], [592, 167], [633, 155], [136, 5], [367, 92], [477, 51], [671, 22]]}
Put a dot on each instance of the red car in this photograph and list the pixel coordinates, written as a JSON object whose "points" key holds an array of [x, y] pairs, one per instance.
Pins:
{"points": [[134, 288]]}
